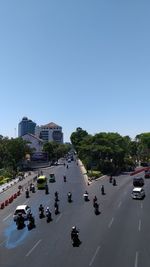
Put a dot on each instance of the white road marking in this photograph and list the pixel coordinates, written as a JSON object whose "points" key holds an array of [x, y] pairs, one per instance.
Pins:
{"points": [[139, 225], [94, 256], [7, 217], [119, 205], [110, 224], [30, 251], [58, 218], [136, 259]]}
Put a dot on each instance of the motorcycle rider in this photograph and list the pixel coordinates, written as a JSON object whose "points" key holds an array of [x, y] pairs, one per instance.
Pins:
{"points": [[56, 196], [102, 189], [46, 189], [20, 221], [48, 214], [94, 201], [74, 235], [41, 211], [27, 193], [114, 181], [86, 196], [56, 207], [69, 196], [31, 221], [33, 188], [110, 179], [96, 207]]}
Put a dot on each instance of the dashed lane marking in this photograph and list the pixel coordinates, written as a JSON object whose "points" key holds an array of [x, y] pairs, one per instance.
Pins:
{"points": [[94, 256], [7, 217], [30, 251], [110, 224]]}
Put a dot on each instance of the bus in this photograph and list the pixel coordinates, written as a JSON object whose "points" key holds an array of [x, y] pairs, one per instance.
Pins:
{"points": [[41, 182]]}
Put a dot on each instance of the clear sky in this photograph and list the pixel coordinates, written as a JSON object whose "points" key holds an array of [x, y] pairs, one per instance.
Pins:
{"points": [[78, 63]]}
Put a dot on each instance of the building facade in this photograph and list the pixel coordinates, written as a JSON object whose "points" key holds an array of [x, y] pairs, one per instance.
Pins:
{"points": [[26, 126], [33, 142], [50, 132]]}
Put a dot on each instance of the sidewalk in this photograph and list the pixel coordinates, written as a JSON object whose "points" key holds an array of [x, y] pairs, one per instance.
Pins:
{"points": [[27, 177], [84, 172]]}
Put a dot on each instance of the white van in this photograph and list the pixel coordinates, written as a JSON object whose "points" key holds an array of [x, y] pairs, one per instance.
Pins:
{"points": [[138, 193]]}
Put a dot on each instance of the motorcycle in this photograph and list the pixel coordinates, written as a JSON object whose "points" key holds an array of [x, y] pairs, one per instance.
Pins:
{"points": [[27, 193], [96, 209], [20, 223], [110, 179], [69, 198], [31, 223], [114, 182], [75, 239], [33, 189], [86, 196], [56, 198], [48, 217], [46, 190], [41, 214], [102, 190], [94, 201], [56, 210]]}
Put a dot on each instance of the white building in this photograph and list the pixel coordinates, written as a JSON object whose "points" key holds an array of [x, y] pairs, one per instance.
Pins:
{"points": [[50, 132], [34, 142]]}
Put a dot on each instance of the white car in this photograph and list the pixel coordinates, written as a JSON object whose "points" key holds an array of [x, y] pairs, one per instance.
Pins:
{"points": [[138, 193], [24, 210]]}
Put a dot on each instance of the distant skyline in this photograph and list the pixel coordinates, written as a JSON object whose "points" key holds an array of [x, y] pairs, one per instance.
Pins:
{"points": [[78, 63]]}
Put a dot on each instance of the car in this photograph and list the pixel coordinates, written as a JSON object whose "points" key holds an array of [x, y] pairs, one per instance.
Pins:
{"points": [[52, 178], [138, 193], [147, 174], [138, 181], [22, 209]]}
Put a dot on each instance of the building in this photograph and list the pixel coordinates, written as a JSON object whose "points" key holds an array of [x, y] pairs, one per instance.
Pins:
{"points": [[26, 126], [50, 132], [34, 142]]}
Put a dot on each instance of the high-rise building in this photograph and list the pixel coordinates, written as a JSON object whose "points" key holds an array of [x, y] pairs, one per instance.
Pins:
{"points": [[50, 132], [26, 126]]}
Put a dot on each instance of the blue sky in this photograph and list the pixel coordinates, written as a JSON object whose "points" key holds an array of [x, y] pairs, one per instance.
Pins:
{"points": [[78, 63]]}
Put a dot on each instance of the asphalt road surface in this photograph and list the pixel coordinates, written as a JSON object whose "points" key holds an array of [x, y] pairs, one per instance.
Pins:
{"points": [[119, 236]]}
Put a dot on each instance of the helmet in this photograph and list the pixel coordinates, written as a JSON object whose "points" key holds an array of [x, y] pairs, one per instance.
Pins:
{"points": [[47, 208], [73, 227]]}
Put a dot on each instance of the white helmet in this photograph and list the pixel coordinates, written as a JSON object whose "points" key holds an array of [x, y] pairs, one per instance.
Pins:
{"points": [[47, 208], [73, 227]]}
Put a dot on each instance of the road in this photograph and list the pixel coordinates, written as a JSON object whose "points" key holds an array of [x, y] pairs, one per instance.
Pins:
{"points": [[118, 236]]}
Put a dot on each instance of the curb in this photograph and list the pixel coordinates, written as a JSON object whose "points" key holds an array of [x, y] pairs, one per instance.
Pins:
{"points": [[9, 200]]}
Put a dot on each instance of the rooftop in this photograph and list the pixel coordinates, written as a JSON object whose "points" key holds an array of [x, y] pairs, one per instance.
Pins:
{"points": [[51, 125]]}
